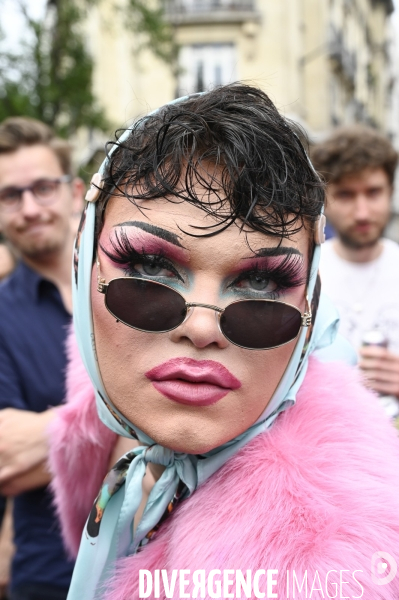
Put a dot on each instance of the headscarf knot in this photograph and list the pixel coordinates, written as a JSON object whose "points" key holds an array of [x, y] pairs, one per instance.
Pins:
{"points": [[158, 455]]}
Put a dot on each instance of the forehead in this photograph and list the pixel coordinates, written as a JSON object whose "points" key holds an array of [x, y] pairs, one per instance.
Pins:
{"points": [[365, 178], [27, 164], [190, 225]]}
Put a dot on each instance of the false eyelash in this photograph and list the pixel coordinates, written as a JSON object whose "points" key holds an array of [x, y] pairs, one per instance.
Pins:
{"points": [[289, 273], [126, 255]]}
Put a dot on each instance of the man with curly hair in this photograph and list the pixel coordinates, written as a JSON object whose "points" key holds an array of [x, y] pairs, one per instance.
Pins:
{"points": [[360, 268]]}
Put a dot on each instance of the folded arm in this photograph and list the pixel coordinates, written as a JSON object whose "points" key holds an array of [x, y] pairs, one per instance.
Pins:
{"points": [[23, 446], [23, 433]]}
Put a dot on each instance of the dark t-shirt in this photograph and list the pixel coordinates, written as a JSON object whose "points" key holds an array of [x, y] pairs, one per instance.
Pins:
{"points": [[33, 327], [2, 508]]}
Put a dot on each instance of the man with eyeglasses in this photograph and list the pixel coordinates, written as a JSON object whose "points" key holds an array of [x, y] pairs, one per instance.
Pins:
{"points": [[38, 200], [359, 267]]}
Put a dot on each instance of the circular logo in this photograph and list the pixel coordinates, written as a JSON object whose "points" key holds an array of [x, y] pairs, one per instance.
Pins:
{"points": [[383, 568]]}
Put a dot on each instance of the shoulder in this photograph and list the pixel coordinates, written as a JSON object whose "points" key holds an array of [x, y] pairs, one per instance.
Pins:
{"points": [[391, 249], [12, 301], [328, 247], [334, 381], [334, 408], [9, 285], [328, 253], [336, 424], [18, 290]]}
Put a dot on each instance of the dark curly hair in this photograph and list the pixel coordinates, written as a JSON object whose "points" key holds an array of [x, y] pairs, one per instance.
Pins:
{"points": [[352, 149], [263, 179]]}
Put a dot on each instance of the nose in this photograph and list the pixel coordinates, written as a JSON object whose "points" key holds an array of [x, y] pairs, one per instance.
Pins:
{"points": [[361, 208], [29, 207], [200, 329]]}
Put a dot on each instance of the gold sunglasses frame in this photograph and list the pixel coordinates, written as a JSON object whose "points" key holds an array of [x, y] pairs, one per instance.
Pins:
{"points": [[306, 317]]}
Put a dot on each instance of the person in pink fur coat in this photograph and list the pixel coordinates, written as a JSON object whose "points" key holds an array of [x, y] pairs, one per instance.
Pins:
{"points": [[204, 450]]}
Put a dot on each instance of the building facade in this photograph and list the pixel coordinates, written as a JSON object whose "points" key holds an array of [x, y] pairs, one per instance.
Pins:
{"points": [[323, 62]]}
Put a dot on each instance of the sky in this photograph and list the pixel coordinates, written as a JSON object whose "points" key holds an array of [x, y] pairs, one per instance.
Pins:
{"points": [[395, 15], [11, 21]]}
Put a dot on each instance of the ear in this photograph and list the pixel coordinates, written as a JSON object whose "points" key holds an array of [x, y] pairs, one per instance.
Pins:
{"points": [[78, 188]]}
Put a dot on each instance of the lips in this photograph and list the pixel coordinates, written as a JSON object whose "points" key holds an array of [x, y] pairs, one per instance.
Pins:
{"points": [[363, 227], [32, 228], [193, 382]]}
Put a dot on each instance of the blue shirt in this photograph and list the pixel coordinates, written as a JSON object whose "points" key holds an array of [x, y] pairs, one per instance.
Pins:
{"points": [[33, 328]]}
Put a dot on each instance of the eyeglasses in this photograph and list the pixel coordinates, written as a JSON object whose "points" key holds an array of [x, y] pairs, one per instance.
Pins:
{"points": [[43, 190], [157, 308]]}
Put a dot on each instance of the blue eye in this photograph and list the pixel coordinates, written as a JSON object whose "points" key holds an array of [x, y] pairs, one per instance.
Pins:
{"points": [[259, 282], [154, 266], [152, 269]]}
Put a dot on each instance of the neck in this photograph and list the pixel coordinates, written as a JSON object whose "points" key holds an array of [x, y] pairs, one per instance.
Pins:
{"points": [[358, 255], [56, 267]]}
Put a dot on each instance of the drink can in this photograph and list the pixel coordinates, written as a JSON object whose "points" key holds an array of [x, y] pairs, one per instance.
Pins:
{"points": [[374, 337]]}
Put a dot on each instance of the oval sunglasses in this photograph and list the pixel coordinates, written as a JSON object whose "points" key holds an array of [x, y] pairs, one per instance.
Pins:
{"points": [[154, 307]]}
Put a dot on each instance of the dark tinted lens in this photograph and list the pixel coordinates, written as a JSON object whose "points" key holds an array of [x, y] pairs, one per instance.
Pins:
{"points": [[260, 324], [145, 305]]}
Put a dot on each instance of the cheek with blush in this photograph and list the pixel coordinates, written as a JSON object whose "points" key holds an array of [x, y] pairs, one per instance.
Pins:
{"points": [[117, 347]]}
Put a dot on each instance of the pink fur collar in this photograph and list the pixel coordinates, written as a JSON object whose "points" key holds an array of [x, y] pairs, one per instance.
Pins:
{"points": [[318, 492]]}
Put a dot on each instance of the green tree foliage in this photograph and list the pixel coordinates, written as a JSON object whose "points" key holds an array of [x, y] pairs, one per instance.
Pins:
{"points": [[154, 31], [50, 78]]}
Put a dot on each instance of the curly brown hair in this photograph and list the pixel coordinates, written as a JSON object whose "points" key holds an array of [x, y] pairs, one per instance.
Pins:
{"points": [[17, 132], [352, 149]]}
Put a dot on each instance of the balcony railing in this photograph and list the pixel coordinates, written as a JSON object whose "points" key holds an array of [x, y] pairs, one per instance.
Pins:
{"points": [[209, 10], [344, 58]]}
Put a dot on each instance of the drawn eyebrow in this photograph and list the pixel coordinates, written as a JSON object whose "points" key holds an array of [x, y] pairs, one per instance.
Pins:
{"points": [[164, 234], [276, 251]]}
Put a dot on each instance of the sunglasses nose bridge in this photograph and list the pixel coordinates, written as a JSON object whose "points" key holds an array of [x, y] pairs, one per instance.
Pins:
{"points": [[191, 305], [217, 312]]}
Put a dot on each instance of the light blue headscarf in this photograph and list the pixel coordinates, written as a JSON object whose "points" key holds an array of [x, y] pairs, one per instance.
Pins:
{"points": [[105, 540]]}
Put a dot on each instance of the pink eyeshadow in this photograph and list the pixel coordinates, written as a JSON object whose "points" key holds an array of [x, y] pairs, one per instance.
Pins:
{"points": [[266, 262], [143, 241]]}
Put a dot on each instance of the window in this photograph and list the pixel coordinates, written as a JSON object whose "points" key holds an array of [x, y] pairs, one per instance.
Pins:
{"points": [[198, 6], [206, 66]]}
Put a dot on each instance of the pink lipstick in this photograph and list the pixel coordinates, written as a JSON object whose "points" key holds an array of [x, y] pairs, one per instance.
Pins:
{"points": [[193, 382]]}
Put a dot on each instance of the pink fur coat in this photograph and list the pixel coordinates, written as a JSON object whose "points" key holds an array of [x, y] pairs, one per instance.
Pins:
{"points": [[317, 494]]}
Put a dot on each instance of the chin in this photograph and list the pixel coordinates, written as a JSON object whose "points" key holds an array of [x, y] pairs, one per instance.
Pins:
{"points": [[186, 439], [40, 249], [195, 446], [357, 242]]}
